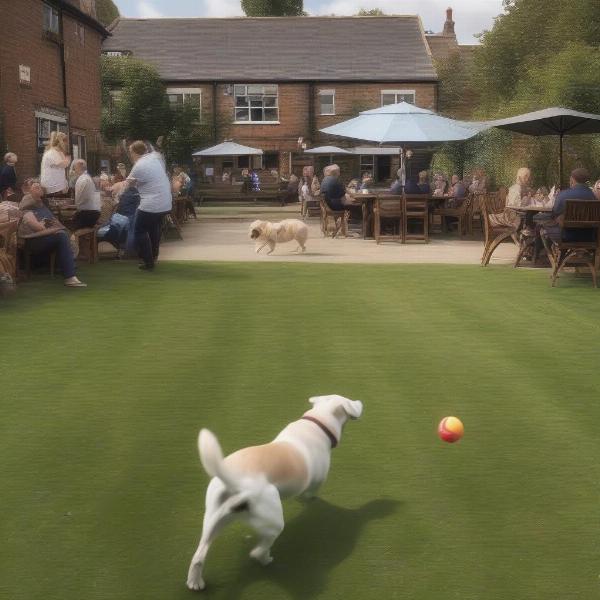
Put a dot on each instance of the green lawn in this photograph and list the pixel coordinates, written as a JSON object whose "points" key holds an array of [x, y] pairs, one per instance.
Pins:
{"points": [[104, 390]]}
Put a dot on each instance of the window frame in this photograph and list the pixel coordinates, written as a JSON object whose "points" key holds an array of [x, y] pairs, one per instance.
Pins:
{"points": [[397, 93], [54, 19], [79, 141], [56, 123], [248, 106], [188, 91], [326, 93]]}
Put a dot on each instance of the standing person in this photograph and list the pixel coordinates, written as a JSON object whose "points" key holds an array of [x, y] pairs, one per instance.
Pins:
{"points": [[8, 175], [149, 177], [423, 183], [255, 181], [87, 199], [55, 161]]}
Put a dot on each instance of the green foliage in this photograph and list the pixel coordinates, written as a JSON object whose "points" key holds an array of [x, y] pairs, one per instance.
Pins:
{"points": [[273, 8], [106, 11], [187, 133], [456, 92], [373, 12], [142, 110], [529, 61]]}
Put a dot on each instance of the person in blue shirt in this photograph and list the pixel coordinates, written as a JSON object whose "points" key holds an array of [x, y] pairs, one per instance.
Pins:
{"points": [[333, 190], [578, 190]]}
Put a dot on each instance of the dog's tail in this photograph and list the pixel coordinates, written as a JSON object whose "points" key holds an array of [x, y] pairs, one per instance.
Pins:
{"points": [[211, 457]]}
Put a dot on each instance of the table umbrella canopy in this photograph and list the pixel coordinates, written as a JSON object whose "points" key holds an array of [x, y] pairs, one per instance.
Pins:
{"points": [[551, 121], [229, 149], [327, 150], [404, 123]]}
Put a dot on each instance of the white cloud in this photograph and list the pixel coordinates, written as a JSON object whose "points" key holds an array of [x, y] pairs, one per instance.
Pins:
{"points": [[146, 10], [221, 8]]}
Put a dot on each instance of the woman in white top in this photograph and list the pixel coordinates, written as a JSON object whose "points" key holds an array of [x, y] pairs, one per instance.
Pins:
{"points": [[55, 161], [519, 195]]}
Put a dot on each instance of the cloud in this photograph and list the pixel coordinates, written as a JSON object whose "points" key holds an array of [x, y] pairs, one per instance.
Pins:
{"points": [[146, 10], [221, 8]]}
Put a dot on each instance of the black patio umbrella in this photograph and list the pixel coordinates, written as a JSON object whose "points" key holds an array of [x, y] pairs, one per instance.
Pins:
{"points": [[551, 121]]}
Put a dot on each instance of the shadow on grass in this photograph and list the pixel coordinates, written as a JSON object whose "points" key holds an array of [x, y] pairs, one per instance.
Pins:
{"points": [[314, 543]]}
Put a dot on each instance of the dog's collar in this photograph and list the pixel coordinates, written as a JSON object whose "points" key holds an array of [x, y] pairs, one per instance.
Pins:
{"points": [[323, 428]]}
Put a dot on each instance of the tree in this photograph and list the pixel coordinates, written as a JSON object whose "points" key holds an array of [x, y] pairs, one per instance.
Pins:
{"points": [[106, 11], [373, 12], [273, 8], [134, 100]]}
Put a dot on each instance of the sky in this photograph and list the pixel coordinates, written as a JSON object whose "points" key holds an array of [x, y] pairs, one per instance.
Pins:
{"points": [[470, 17]]}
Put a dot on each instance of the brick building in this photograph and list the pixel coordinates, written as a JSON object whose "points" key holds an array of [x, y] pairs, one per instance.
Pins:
{"points": [[277, 81], [49, 77]]}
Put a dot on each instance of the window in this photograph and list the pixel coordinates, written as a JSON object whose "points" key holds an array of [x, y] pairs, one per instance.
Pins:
{"points": [[271, 160], [395, 96], [51, 22], [243, 162], [189, 96], [256, 104], [327, 102], [115, 53], [78, 144], [45, 125], [115, 96], [367, 163]]}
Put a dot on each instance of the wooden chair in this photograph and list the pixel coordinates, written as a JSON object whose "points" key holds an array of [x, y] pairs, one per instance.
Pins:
{"points": [[415, 208], [339, 218], [475, 213], [494, 203], [88, 241], [579, 214], [27, 259], [8, 248], [388, 208], [461, 213]]}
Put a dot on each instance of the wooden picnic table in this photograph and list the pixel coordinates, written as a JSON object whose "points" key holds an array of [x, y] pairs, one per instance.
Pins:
{"points": [[367, 202]]}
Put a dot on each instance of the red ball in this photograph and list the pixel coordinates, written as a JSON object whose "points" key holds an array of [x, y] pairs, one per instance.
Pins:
{"points": [[451, 429]]}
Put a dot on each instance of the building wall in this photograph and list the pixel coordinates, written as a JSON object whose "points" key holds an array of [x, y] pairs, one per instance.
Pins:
{"points": [[24, 43], [295, 114]]}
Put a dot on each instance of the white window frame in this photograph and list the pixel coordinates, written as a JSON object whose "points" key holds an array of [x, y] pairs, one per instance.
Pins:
{"points": [[54, 21], [249, 107], [186, 92], [397, 93], [114, 53], [54, 123], [327, 93], [367, 166]]}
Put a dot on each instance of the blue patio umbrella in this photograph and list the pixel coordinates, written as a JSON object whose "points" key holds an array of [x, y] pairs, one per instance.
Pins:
{"points": [[404, 123]]}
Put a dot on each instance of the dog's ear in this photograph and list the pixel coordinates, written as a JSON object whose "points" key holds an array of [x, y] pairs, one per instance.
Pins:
{"points": [[353, 408]]}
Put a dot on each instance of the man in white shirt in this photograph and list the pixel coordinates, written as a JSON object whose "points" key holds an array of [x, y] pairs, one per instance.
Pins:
{"points": [[87, 199], [148, 175]]}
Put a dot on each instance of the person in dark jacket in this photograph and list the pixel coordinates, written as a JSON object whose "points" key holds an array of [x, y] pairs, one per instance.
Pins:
{"points": [[332, 188], [8, 175]]}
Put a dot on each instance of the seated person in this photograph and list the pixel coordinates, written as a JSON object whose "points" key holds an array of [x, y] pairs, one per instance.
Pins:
{"points": [[366, 181], [226, 177], [596, 189], [396, 187], [518, 195], [411, 187], [440, 185], [457, 192], [353, 186], [579, 190], [333, 190], [44, 234], [541, 196], [478, 183], [423, 183], [87, 199]]}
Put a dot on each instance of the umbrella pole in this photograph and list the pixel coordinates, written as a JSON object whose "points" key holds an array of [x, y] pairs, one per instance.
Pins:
{"points": [[560, 162], [402, 168]]}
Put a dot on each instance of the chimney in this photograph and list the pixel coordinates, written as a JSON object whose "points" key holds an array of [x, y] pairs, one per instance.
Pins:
{"points": [[449, 24]]}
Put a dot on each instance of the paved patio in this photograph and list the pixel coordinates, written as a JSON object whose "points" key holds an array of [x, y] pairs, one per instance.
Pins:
{"points": [[223, 236]]}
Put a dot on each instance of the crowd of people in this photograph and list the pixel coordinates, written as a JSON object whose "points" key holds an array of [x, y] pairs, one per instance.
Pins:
{"points": [[138, 202]]}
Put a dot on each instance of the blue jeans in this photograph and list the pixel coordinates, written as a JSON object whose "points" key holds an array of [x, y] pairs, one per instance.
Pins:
{"points": [[56, 242]]}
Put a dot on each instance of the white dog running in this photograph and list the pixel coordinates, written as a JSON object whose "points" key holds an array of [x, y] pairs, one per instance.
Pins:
{"points": [[269, 234], [249, 484]]}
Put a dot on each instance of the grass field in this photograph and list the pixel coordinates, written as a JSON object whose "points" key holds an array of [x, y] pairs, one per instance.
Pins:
{"points": [[104, 390]]}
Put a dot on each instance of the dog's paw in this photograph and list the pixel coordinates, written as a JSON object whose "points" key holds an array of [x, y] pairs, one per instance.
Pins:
{"points": [[264, 558], [196, 585]]}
